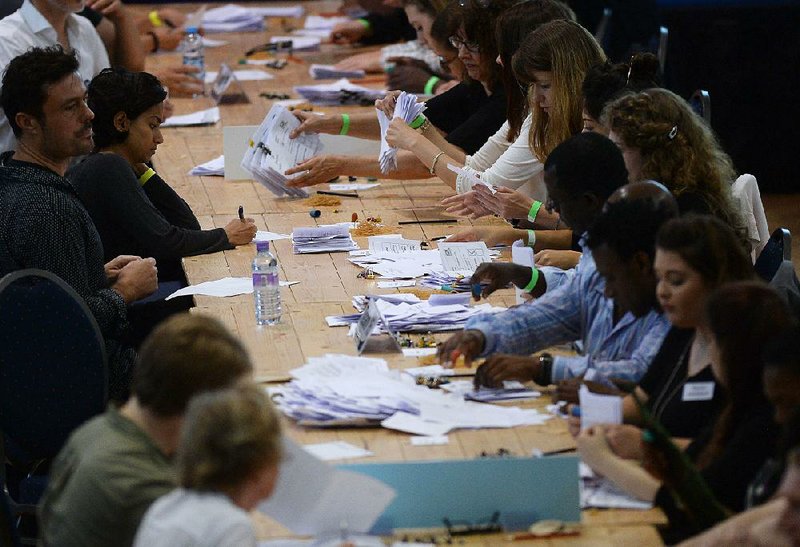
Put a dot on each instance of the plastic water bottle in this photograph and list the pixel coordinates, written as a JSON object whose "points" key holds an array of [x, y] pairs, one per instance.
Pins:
{"points": [[266, 285], [193, 52]]}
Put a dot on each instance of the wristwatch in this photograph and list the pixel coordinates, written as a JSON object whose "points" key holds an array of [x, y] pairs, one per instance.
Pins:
{"points": [[545, 374]]}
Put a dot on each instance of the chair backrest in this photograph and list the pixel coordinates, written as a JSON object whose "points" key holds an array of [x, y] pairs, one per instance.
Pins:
{"points": [[777, 250], [601, 32], [700, 102], [661, 53], [53, 373]]}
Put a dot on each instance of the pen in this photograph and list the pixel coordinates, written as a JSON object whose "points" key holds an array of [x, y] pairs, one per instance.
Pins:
{"points": [[342, 194], [241, 213], [439, 238], [431, 221]]}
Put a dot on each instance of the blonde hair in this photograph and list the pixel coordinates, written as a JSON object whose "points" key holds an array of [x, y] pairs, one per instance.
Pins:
{"points": [[227, 437], [568, 51], [678, 149]]}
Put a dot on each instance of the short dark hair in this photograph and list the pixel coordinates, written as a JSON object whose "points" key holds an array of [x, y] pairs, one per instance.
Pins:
{"points": [[605, 82], [116, 90], [588, 162], [183, 356], [27, 77], [629, 226]]}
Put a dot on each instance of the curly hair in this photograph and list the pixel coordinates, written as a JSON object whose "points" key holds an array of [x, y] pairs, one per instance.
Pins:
{"points": [[678, 149], [567, 50]]}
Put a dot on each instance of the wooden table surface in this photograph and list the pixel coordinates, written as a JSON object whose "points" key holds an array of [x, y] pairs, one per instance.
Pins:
{"points": [[328, 281]]}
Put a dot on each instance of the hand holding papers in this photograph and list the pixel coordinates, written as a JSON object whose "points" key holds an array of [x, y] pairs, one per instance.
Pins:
{"points": [[271, 152], [599, 409], [323, 239], [339, 93], [406, 108]]}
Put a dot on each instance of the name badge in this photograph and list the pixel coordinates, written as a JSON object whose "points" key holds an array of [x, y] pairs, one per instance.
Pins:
{"points": [[698, 391]]}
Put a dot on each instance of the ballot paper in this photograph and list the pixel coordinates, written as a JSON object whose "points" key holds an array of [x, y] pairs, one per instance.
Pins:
{"points": [[271, 152], [510, 391], [279, 11], [263, 235], [599, 492], [299, 43], [318, 22], [330, 72], [340, 92], [337, 388], [313, 498], [459, 257], [471, 177], [201, 117], [336, 450], [393, 245], [242, 75], [599, 409], [227, 286], [215, 167], [407, 108], [396, 284], [232, 18], [322, 239]]}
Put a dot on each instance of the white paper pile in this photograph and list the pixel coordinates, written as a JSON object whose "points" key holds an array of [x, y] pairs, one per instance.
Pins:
{"points": [[330, 72], [407, 263], [215, 168], [447, 282], [227, 286], [201, 117], [271, 152], [322, 239], [241, 75], [510, 391], [337, 388], [406, 108], [232, 18], [299, 43], [318, 22], [339, 92]]}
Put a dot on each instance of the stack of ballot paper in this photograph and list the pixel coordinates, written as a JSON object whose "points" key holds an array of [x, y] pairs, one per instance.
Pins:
{"points": [[407, 108], [393, 257], [323, 239], [318, 22], [215, 167], [330, 72], [299, 43], [201, 117], [232, 18], [338, 388], [338, 93], [271, 152], [443, 281]]}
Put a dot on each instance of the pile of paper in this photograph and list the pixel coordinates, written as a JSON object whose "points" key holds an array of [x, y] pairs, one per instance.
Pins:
{"points": [[407, 108], [341, 388], [318, 22], [511, 390], [393, 257], [232, 18], [443, 281], [271, 152], [215, 167], [323, 239], [201, 117], [338, 93], [330, 72]]}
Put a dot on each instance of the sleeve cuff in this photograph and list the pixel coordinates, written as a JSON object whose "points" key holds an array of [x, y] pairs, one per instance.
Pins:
{"points": [[565, 368]]}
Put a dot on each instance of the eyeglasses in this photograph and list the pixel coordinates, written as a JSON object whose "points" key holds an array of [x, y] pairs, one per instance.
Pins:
{"points": [[456, 42]]}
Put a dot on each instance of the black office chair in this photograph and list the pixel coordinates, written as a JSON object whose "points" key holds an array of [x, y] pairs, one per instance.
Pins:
{"points": [[700, 102], [601, 33], [661, 52], [777, 250], [53, 376]]}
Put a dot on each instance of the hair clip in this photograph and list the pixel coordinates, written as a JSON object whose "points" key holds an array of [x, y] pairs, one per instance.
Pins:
{"points": [[673, 132]]}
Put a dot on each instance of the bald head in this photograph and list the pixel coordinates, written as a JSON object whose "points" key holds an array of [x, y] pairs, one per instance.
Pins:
{"points": [[657, 193]]}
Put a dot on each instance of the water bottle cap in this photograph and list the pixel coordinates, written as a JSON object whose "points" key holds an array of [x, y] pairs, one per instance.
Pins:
{"points": [[191, 30], [262, 246]]}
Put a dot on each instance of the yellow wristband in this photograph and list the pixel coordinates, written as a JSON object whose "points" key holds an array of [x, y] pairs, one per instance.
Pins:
{"points": [[155, 20], [146, 176]]}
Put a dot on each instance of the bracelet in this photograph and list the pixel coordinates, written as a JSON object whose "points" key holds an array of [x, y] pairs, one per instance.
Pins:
{"points": [[430, 84], [418, 122], [435, 159], [156, 42], [365, 23], [345, 124], [147, 175], [534, 210], [534, 280], [155, 20], [531, 238]]}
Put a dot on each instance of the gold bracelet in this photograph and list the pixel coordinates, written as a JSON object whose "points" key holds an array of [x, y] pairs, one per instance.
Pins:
{"points": [[435, 159]]}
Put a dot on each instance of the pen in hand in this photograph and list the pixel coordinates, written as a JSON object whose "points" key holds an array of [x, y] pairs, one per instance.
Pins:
{"points": [[241, 213]]}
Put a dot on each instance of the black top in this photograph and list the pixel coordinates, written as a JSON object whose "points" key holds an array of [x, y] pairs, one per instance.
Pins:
{"points": [[387, 28], [44, 225], [664, 384], [467, 115], [150, 220]]}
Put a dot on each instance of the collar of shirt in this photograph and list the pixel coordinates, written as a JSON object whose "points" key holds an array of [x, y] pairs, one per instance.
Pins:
{"points": [[40, 25]]}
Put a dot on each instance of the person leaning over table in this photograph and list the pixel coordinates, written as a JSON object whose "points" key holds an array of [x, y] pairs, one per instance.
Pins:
{"points": [[43, 223], [479, 107], [620, 334], [116, 465], [134, 209]]}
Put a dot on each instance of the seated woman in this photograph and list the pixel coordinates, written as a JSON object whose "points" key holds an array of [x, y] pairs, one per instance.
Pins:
{"points": [[135, 211], [742, 317], [227, 460], [458, 121]]}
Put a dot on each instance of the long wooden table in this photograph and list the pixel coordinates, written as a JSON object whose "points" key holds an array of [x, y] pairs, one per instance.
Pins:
{"points": [[328, 281]]}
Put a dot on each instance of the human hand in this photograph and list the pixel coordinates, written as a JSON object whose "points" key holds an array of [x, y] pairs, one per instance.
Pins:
{"points": [[368, 62], [171, 16], [400, 135], [240, 232], [498, 275], [182, 80], [388, 103], [314, 123], [465, 205], [114, 266], [504, 201], [348, 32], [557, 258], [467, 343], [137, 279], [593, 447], [108, 8], [168, 38], [316, 170], [625, 441], [499, 368]]}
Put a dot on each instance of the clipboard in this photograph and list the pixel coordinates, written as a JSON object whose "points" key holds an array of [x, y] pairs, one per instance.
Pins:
{"points": [[225, 78]]}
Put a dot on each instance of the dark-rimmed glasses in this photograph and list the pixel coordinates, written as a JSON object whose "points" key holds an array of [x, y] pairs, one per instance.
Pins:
{"points": [[457, 43]]}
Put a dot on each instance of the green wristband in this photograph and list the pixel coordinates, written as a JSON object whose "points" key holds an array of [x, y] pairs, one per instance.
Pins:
{"points": [[345, 124], [364, 22], [534, 210], [531, 238], [418, 121], [534, 280], [429, 85]]}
